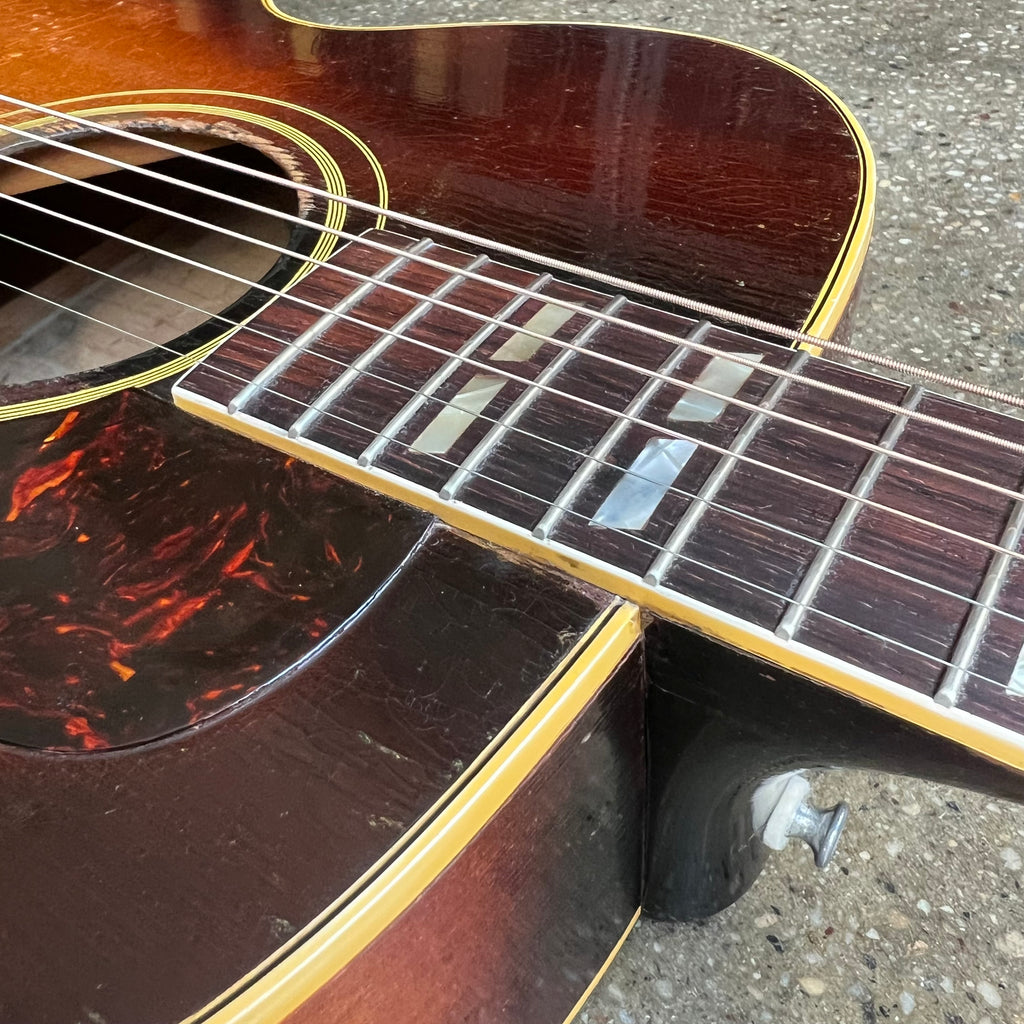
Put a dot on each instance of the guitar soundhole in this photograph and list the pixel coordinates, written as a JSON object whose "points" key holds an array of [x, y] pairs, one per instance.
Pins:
{"points": [[92, 277]]}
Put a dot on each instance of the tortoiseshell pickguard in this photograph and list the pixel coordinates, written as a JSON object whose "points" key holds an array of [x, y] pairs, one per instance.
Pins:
{"points": [[155, 571]]}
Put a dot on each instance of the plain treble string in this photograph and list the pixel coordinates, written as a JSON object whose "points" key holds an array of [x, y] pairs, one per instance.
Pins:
{"points": [[702, 309], [873, 447], [889, 407], [663, 430]]}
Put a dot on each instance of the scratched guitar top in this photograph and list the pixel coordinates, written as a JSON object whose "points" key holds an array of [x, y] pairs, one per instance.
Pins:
{"points": [[348, 718]]}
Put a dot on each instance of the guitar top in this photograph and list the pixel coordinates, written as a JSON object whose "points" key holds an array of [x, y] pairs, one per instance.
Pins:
{"points": [[344, 718]]}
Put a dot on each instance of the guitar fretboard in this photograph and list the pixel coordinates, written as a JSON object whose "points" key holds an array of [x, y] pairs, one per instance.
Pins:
{"points": [[756, 499]]}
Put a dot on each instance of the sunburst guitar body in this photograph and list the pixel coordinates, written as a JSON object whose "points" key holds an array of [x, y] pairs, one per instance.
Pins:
{"points": [[399, 588]]}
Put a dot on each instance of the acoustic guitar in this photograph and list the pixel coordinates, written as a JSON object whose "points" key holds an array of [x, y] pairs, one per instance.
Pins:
{"points": [[438, 497]]}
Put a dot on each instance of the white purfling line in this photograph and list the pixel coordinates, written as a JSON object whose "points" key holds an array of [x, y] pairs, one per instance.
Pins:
{"points": [[951, 688], [713, 484], [595, 459], [288, 354], [341, 383], [536, 387], [418, 400], [794, 615]]}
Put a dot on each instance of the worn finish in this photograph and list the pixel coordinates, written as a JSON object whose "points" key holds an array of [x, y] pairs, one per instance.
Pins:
{"points": [[640, 261], [234, 836], [238, 830], [564, 849]]}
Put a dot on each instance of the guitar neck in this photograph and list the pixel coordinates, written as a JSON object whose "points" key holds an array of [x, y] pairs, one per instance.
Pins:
{"points": [[815, 513]]}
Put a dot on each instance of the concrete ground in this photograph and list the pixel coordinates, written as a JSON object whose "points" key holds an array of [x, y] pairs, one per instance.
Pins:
{"points": [[921, 916]]}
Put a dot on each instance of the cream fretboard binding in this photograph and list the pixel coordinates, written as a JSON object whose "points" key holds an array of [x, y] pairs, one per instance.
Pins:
{"points": [[756, 505]]}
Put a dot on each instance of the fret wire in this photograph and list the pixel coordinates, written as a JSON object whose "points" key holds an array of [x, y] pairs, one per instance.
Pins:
{"points": [[290, 353], [843, 523], [419, 399], [741, 360], [979, 616], [669, 432], [665, 431], [767, 591], [510, 417], [695, 513], [810, 382], [792, 335], [897, 512], [420, 396], [643, 541], [735, 513], [344, 381], [590, 465]]}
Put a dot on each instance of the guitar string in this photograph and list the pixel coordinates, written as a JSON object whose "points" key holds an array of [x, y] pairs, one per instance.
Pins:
{"points": [[703, 309], [581, 402], [575, 399], [860, 629], [450, 268], [760, 325], [891, 408], [959, 598], [895, 410], [512, 428], [641, 541]]}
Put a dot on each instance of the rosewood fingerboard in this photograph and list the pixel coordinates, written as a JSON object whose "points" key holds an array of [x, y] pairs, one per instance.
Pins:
{"points": [[468, 385]]}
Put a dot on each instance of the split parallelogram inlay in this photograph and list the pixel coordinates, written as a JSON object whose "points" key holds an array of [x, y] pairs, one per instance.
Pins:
{"points": [[435, 376]]}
